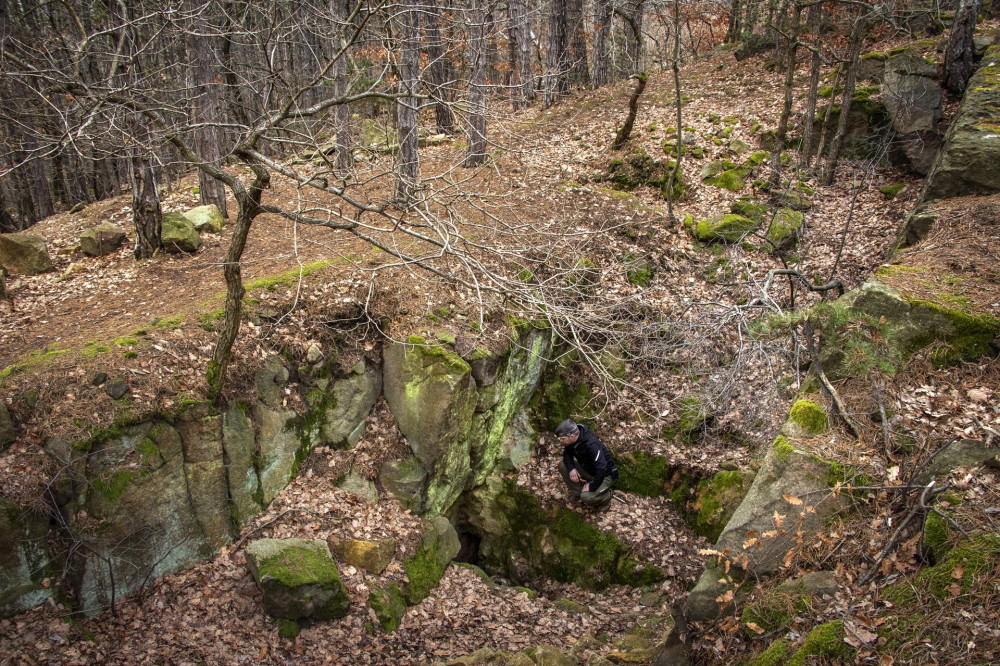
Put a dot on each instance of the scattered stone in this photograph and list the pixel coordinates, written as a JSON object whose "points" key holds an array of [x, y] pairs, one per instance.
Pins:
{"points": [[103, 239], [117, 389], [728, 228], [206, 219], [372, 556], [25, 254], [314, 354], [794, 200], [78, 208], [99, 378], [297, 578], [179, 234]]}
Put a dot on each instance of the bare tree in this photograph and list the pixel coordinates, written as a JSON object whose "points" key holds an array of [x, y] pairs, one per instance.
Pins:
{"points": [[476, 147]]}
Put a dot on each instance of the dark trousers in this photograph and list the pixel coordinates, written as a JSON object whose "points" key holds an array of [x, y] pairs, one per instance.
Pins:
{"points": [[596, 497]]}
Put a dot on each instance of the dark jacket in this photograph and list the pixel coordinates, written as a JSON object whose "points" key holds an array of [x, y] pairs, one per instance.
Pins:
{"points": [[593, 456]]}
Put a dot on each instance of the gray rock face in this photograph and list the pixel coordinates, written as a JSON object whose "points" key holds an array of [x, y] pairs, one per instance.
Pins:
{"points": [[280, 449], [239, 444], [966, 164], [179, 234], [405, 480], [912, 96], [25, 254], [354, 396], [103, 239], [24, 560], [297, 578], [7, 434], [206, 219], [359, 486]]}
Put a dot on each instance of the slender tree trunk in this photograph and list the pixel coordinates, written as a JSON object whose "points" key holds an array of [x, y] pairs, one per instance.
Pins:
{"points": [[579, 74], [786, 110], [556, 52], [676, 67], [824, 135], [735, 16], [206, 112], [343, 139], [520, 52], [406, 106], [476, 151], [633, 110], [602, 30], [959, 57], [850, 79], [436, 68], [147, 215], [809, 118]]}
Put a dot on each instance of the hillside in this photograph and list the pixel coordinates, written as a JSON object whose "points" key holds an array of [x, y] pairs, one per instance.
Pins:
{"points": [[152, 324]]}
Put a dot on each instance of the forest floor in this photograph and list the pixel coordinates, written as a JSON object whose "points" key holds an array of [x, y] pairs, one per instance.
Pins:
{"points": [[151, 321]]}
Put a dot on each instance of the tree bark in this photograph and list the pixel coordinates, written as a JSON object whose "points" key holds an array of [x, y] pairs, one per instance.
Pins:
{"points": [[343, 139], [602, 30], [147, 216], [520, 53], [579, 74], [676, 67], [959, 57], [556, 52], [850, 79], [437, 69], [809, 117], [206, 113], [633, 110], [476, 151], [406, 106], [781, 136]]}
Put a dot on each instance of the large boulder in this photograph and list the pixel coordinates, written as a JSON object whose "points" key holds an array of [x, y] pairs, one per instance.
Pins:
{"points": [[728, 228], [103, 239], [25, 254], [297, 578], [966, 163], [372, 556], [791, 492], [912, 96], [179, 234], [24, 559], [348, 403], [206, 219], [431, 392]]}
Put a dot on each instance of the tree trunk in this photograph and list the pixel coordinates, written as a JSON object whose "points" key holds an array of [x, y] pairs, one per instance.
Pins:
{"points": [[602, 30], [206, 113], [959, 56], [343, 139], [437, 69], [406, 106], [476, 151], [674, 173], [635, 44], [734, 28], [809, 117], [850, 79], [556, 52], [633, 110], [578, 74], [824, 134], [147, 215], [781, 136]]}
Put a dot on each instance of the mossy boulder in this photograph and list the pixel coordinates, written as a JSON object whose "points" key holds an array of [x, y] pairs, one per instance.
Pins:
{"points": [[642, 642], [825, 642], [24, 559], [26, 254], [642, 473], [179, 235], [793, 199], [372, 556], [773, 520], [776, 654], [405, 480], [345, 406], [728, 228], [749, 208], [726, 175], [431, 392], [807, 418], [966, 163], [297, 578], [426, 567], [784, 229], [524, 540], [206, 219], [715, 501], [389, 605], [103, 239], [977, 561]]}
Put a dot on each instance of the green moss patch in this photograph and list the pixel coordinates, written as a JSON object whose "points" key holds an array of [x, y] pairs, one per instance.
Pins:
{"points": [[728, 228], [808, 415], [826, 642], [967, 568], [642, 473], [892, 191], [424, 571], [775, 655], [716, 500], [389, 605]]}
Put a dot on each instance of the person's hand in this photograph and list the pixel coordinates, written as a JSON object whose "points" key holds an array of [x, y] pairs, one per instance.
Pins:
{"points": [[586, 488], [574, 476]]}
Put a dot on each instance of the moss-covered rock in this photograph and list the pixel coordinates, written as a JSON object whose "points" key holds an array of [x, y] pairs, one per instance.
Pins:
{"points": [[715, 501], [388, 604], [642, 643], [729, 228], [749, 209], [26, 254], [809, 416], [977, 561], [297, 578], [725, 175], [179, 234], [794, 200], [102, 239], [24, 559], [776, 654], [524, 540], [890, 192], [784, 229], [206, 219], [642, 473], [935, 543], [425, 569], [826, 642]]}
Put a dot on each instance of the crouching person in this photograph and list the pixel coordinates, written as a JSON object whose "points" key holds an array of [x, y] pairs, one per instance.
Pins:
{"points": [[587, 466]]}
